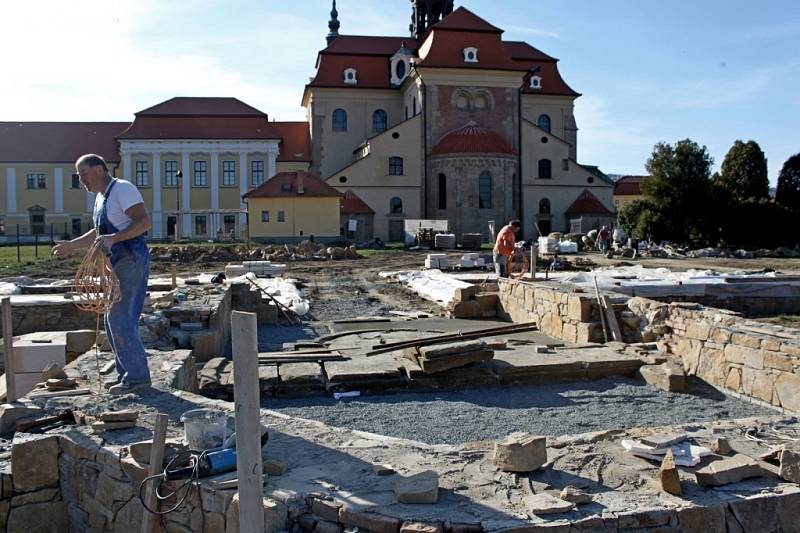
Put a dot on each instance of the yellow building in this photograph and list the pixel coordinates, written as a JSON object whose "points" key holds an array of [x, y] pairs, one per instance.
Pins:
{"points": [[293, 206], [628, 189]]}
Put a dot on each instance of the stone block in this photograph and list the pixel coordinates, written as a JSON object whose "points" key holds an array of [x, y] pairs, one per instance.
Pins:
{"points": [[464, 294], [440, 350], [787, 390], [754, 359], [374, 522], [419, 488], [488, 302], [33, 356], [325, 509], [745, 340], [441, 364], [569, 332], [757, 513], [579, 308], [699, 330], [791, 349], [702, 519], [40, 517], [668, 476], [80, 341], [652, 518], [721, 446], [275, 516], [727, 471], [770, 345], [668, 376], [575, 495], [324, 526], [720, 335], [34, 461], [778, 361], [468, 309], [734, 379], [520, 452], [790, 462], [10, 413]]}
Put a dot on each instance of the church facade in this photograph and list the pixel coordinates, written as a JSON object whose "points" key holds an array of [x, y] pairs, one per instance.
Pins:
{"points": [[451, 122]]}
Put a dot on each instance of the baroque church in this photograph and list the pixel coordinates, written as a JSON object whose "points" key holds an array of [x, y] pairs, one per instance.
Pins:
{"points": [[449, 122]]}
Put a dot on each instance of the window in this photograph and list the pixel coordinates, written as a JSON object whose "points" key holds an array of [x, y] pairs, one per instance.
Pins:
{"points": [[2, 226], [400, 70], [142, 174], [565, 164], [200, 225], [350, 76], [545, 170], [37, 222], [340, 120], [76, 227], [37, 180], [264, 216], [76, 181], [395, 166], [256, 173], [395, 206], [171, 173], [379, 121], [544, 122], [470, 54], [230, 223], [442, 191], [281, 216], [229, 173], [544, 206], [485, 191], [536, 82], [200, 174]]}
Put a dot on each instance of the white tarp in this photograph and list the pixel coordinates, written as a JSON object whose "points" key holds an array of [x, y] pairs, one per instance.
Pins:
{"points": [[611, 278], [685, 453], [432, 285], [283, 290]]}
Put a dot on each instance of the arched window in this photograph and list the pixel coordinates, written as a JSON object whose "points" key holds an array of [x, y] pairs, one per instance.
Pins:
{"points": [[485, 191], [395, 205], [340, 120], [545, 169], [379, 120], [544, 123], [442, 191], [544, 206], [395, 166]]}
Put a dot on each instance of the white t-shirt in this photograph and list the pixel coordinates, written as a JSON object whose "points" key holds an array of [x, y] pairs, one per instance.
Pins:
{"points": [[123, 196]]}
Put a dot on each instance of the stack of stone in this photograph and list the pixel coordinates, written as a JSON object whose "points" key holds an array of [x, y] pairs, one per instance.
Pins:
{"points": [[475, 301], [442, 357]]}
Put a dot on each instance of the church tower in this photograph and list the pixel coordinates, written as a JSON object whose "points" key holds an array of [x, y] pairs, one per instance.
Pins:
{"points": [[426, 13], [333, 25]]}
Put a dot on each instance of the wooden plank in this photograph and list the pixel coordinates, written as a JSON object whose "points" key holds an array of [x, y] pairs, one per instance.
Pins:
{"points": [[616, 333], [59, 394], [247, 399], [150, 521], [489, 332], [174, 272], [602, 313], [8, 353]]}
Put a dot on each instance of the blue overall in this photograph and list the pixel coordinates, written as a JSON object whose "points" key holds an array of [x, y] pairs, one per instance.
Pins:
{"points": [[131, 263]]}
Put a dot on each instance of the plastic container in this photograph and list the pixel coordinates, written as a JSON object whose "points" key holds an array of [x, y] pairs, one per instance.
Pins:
{"points": [[205, 429]]}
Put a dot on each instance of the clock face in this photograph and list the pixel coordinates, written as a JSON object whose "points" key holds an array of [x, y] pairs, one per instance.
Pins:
{"points": [[400, 69]]}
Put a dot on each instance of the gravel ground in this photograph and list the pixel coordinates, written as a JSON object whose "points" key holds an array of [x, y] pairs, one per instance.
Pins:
{"points": [[455, 417]]}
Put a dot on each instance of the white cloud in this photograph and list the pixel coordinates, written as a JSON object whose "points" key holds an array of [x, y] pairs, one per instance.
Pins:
{"points": [[530, 30]]}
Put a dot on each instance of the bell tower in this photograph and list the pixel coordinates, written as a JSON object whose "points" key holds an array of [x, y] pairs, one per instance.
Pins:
{"points": [[426, 13]]}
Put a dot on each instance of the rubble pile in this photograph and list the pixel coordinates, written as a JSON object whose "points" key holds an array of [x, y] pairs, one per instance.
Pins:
{"points": [[304, 251]]}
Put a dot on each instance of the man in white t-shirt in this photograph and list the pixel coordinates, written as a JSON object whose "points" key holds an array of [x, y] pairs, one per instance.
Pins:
{"points": [[121, 222]]}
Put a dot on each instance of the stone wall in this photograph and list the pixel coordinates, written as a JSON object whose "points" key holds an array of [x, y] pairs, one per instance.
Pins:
{"points": [[560, 313], [757, 359], [32, 317]]}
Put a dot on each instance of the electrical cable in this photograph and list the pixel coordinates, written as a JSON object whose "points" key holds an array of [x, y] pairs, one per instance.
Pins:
{"points": [[194, 463]]}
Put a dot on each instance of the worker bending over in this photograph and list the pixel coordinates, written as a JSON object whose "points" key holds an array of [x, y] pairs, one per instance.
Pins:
{"points": [[504, 247]]}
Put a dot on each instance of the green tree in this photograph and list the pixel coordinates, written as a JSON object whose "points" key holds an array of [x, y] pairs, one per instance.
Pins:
{"points": [[788, 193], [680, 191], [744, 172]]}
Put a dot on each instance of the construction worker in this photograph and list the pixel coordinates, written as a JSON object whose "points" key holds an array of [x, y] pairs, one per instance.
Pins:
{"points": [[504, 247], [120, 223]]}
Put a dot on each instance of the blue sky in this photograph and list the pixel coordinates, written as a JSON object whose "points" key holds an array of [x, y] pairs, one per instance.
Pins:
{"points": [[714, 71]]}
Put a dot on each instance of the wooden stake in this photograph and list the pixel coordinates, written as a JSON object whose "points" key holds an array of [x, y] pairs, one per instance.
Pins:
{"points": [[616, 333], [246, 398], [600, 304], [174, 276], [149, 520], [8, 346]]}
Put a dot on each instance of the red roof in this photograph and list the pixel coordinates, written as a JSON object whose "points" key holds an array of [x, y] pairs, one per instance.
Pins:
{"points": [[353, 205], [58, 142], [293, 184], [203, 106], [588, 204], [365, 45], [472, 139], [629, 185], [295, 140], [522, 51], [372, 71], [464, 19], [199, 127]]}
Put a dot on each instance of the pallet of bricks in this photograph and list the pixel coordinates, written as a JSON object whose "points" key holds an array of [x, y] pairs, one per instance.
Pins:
{"points": [[475, 301]]}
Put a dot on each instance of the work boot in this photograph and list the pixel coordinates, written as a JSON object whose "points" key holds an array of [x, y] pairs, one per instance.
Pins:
{"points": [[108, 384], [126, 387]]}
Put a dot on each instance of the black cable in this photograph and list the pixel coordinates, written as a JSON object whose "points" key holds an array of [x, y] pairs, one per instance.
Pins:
{"points": [[194, 462]]}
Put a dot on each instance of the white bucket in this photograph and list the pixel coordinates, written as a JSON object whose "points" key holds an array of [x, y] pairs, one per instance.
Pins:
{"points": [[205, 429]]}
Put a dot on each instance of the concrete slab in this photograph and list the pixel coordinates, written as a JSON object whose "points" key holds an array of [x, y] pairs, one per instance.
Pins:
{"points": [[382, 372], [300, 379], [471, 376]]}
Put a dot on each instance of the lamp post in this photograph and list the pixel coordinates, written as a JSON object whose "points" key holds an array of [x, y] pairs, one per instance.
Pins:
{"points": [[179, 176]]}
